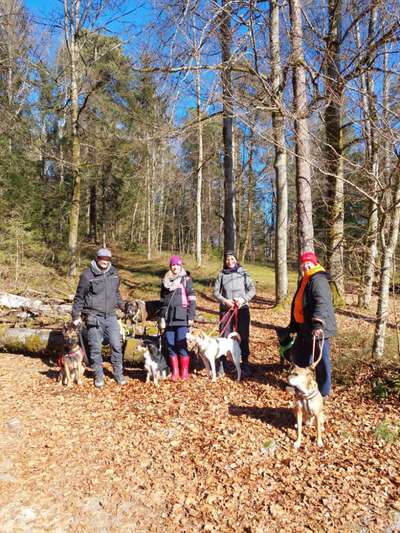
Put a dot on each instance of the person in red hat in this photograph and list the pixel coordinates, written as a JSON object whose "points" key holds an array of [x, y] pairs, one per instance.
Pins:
{"points": [[313, 315], [178, 307]]}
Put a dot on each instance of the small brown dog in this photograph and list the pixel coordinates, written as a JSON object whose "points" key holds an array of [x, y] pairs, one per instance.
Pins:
{"points": [[71, 362], [308, 402]]}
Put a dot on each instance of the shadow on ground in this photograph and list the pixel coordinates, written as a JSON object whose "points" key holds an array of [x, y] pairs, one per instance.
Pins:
{"points": [[278, 417]]}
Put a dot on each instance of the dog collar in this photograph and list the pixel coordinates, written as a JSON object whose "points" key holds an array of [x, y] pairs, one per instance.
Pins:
{"points": [[72, 353], [308, 396]]}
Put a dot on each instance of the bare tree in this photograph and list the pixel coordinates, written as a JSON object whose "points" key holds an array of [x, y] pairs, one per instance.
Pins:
{"points": [[280, 162], [199, 170], [388, 254], [225, 36], [334, 145], [72, 26], [305, 229]]}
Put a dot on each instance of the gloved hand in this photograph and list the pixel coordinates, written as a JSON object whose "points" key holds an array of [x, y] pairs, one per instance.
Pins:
{"points": [[239, 301], [77, 321], [162, 324], [317, 331]]}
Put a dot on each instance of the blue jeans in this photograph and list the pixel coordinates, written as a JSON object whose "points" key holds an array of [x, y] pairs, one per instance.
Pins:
{"points": [[107, 330], [176, 340], [302, 356]]}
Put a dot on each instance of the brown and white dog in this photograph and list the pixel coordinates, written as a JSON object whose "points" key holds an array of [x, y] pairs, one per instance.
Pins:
{"points": [[212, 348], [71, 362], [308, 402]]}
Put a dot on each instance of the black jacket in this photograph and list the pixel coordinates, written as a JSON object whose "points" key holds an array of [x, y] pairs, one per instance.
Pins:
{"points": [[171, 304], [317, 307], [97, 293]]}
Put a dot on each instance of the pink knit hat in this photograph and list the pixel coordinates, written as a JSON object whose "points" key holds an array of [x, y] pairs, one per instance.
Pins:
{"points": [[175, 260]]}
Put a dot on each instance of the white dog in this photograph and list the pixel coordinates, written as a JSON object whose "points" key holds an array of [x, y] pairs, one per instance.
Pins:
{"points": [[211, 348]]}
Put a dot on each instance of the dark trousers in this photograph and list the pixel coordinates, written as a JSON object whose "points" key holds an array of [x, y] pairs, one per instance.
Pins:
{"points": [[243, 328], [302, 356], [176, 340], [107, 330]]}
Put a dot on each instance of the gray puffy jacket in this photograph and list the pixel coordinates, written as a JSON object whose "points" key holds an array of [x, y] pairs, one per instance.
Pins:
{"points": [[97, 293], [236, 284]]}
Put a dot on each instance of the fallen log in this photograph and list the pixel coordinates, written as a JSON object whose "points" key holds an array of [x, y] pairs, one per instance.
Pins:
{"points": [[31, 341], [50, 343], [34, 306]]}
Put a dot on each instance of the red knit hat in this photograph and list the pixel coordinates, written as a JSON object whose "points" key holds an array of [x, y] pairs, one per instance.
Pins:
{"points": [[309, 256]]}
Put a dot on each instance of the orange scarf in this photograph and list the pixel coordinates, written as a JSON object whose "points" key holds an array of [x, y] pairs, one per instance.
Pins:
{"points": [[298, 300]]}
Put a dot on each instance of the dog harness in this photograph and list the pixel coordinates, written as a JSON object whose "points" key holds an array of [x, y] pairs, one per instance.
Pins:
{"points": [[72, 353], [305, 398]]}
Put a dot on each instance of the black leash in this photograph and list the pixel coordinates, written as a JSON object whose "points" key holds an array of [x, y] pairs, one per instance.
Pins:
{"points": [[85, 357]]}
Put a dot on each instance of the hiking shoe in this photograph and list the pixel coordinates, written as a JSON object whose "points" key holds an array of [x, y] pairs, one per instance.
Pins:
{"points": [[246, 370], [121, 380], [99, 382]]}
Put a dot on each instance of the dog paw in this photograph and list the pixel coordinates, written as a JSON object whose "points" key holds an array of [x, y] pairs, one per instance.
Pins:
{"points": [[297, 444], [320, 444]]}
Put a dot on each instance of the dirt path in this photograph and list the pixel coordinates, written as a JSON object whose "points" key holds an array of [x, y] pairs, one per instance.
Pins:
{"points": [[189, 456]]}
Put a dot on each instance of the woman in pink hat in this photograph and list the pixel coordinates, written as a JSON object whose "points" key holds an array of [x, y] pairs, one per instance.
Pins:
{"points": [[178, 306]]}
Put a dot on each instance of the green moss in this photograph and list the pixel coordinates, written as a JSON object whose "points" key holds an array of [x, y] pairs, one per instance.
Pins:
{"points": [[34, 344]]}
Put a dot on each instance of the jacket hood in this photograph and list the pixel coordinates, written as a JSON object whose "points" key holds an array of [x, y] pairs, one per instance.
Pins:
{"points": [[97, 272]]}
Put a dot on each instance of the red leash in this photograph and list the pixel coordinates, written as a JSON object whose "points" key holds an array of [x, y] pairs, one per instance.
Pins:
{"points": [[231, 313]]}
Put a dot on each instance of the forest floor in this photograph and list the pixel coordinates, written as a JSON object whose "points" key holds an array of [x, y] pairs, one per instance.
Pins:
{"points": [[196, 455]]}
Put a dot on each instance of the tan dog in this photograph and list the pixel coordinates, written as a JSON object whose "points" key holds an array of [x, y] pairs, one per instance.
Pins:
{"points": [[71, 362], [308, 402]]}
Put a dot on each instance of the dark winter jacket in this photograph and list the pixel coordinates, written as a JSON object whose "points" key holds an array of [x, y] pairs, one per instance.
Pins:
{"points": [[235, 284], [97, 293], [317, 307], [172, 308]]}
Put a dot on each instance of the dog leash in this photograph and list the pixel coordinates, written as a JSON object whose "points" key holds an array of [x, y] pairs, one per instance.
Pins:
{"points": [[85, 357], [232, 313], [321, 346]]}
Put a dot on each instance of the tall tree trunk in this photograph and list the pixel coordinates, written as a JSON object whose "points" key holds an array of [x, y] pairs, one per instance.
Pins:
{"points": [[238, 177], [386, 269], [370, 119], [334, 147], [71, 17], [251, 185], [199, 170], [225, 36], [148, 209], [305, 229], [280, 160], [93, 213]]}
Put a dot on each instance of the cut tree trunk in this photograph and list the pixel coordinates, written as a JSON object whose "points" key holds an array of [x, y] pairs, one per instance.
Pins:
{"points": [[13, 301], [50, 343]]}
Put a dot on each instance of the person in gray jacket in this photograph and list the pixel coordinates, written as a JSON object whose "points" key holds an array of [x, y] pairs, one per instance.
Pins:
{"points": [[234, 286], [96, 300]]}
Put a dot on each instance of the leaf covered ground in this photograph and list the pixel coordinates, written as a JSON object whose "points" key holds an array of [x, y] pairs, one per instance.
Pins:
{"points": [[194, 456]]}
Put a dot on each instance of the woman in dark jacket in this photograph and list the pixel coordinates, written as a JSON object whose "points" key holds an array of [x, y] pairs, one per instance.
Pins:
{"points": [[313, 316], [234, 286], [178, 306]]}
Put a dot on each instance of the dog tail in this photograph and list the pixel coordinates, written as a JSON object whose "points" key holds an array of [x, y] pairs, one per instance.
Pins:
{"points": [[234, 335]]}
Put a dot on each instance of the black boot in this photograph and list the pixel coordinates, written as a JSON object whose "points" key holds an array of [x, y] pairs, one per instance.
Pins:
{"points": [[246, 369]]}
